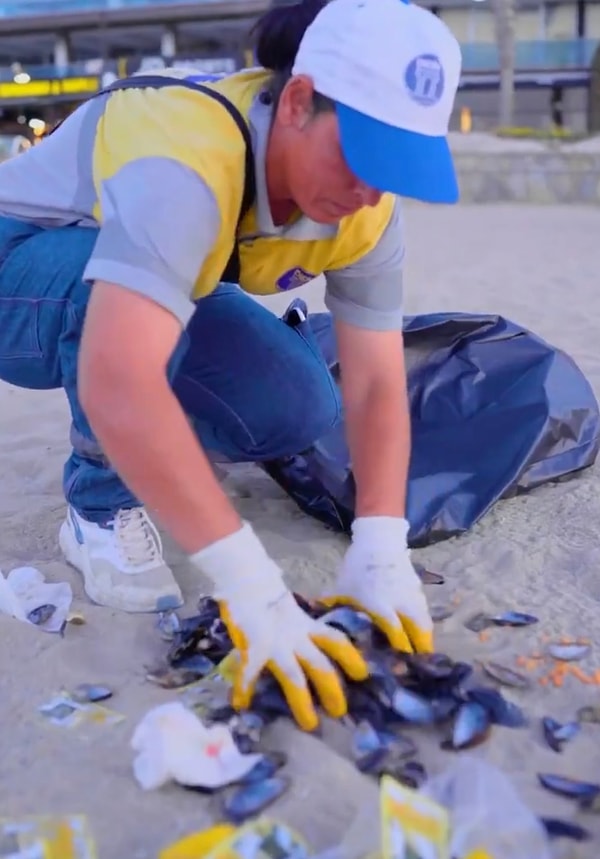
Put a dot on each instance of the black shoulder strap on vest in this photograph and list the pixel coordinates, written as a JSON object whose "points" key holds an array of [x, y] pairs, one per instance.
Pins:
{"points": [[232, 270]]}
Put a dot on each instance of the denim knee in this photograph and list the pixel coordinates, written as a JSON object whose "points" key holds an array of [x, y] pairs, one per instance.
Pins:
{"points": [[276, 425], [254, 387], [311, 404], [297, 422]]}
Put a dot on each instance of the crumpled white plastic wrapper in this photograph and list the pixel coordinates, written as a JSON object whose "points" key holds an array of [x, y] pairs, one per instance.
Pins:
{"points": [[172, 744], [25, 589]]}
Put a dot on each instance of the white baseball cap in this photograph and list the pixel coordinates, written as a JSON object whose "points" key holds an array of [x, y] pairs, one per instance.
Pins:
{"points": [[392, 70]]}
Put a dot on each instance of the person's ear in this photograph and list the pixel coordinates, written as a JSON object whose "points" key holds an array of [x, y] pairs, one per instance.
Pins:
{"points": [[295, 103]]}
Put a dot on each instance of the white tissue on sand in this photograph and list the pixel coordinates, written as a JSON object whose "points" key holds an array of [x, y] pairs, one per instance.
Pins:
{"points": [[172, 744], [24, 589]]}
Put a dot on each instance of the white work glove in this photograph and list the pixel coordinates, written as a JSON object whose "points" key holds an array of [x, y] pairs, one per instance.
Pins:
{"points": [[270, 630], [378, 578]]}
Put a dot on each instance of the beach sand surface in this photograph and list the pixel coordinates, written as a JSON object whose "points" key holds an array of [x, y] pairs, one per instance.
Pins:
{"points": [[538, 553]]}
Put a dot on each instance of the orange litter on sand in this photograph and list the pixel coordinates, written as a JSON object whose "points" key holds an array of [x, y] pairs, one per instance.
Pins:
{"points": [[559, 669], [555, 669], [554, 659]]}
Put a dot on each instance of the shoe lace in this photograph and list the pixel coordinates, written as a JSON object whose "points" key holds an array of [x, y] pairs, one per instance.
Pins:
{"points": [[137, 536]]}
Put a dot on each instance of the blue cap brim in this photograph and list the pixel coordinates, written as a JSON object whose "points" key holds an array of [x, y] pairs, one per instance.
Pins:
{"points": [[401, 162]]}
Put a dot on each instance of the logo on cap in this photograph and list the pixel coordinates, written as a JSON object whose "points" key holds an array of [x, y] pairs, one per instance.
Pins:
{"points": [[424, 79]]}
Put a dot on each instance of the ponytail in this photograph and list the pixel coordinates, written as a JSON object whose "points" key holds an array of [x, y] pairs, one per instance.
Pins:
{"points": [[279, 33]]}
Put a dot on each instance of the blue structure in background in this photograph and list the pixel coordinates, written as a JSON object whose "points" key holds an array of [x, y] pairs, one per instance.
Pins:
{"points": [[564, 54], [555, 65], [20, 8], [546, 54], [478, 58]]}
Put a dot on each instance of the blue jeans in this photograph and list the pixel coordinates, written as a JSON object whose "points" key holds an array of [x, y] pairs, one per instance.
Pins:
{"points": [[254, 387]]}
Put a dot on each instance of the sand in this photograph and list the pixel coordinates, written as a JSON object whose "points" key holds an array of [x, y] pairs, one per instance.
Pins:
{"points": [[538, 553]]}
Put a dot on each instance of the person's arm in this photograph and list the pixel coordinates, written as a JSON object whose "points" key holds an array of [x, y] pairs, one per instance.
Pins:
{"points": [[376, 574], [160, 221], [366, 302], [139, 423]]}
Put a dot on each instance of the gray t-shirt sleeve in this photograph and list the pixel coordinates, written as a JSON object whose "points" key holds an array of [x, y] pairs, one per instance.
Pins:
{"points": [[160, 221], [368, 294]]}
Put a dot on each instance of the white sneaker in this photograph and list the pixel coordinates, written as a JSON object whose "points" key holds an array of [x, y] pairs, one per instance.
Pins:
{"points": [[122, 563]]}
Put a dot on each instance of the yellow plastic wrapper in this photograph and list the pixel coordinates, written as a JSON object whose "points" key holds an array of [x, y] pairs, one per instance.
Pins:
{"points": [[47, 837], [262, 839], [258, 839], [65, 712], [198, 843], [412, 825]]}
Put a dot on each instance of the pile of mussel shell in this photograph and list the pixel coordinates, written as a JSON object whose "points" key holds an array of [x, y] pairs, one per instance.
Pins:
{"points": [[403, 690], [197, 645]]}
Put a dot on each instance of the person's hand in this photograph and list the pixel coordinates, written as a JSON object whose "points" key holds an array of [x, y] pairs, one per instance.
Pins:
{"points": [[378, 578], [270, 630]]}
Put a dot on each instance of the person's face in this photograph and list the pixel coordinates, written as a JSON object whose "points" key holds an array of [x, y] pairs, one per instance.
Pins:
{"points": [[318, 179]]}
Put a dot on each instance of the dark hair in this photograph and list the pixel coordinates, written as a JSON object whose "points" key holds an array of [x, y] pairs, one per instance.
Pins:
{"points": [[278, 35]]}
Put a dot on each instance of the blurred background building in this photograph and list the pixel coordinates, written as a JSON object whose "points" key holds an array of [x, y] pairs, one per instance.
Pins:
{"points": [[54, 53]]}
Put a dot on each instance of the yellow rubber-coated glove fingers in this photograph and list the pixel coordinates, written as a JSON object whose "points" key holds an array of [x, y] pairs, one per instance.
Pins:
{"points": [[236, 635], [389, 623], [421, 639], [328, 689], [322, 675], [332, 601], [392, 628], [297, 694], [243, 691], [340, 649]]}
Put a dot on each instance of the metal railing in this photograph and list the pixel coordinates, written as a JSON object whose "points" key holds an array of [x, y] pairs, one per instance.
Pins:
{"points": [[46, 71], [25, 77], [21, 8], [546, 54], [483, 57]]}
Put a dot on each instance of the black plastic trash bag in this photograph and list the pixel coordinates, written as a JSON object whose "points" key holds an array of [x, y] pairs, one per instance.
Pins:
{"points": [[495, 411]]}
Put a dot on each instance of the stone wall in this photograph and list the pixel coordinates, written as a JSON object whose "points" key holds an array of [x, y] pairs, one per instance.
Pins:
{"points": [[529, 178], [494, 170]]}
